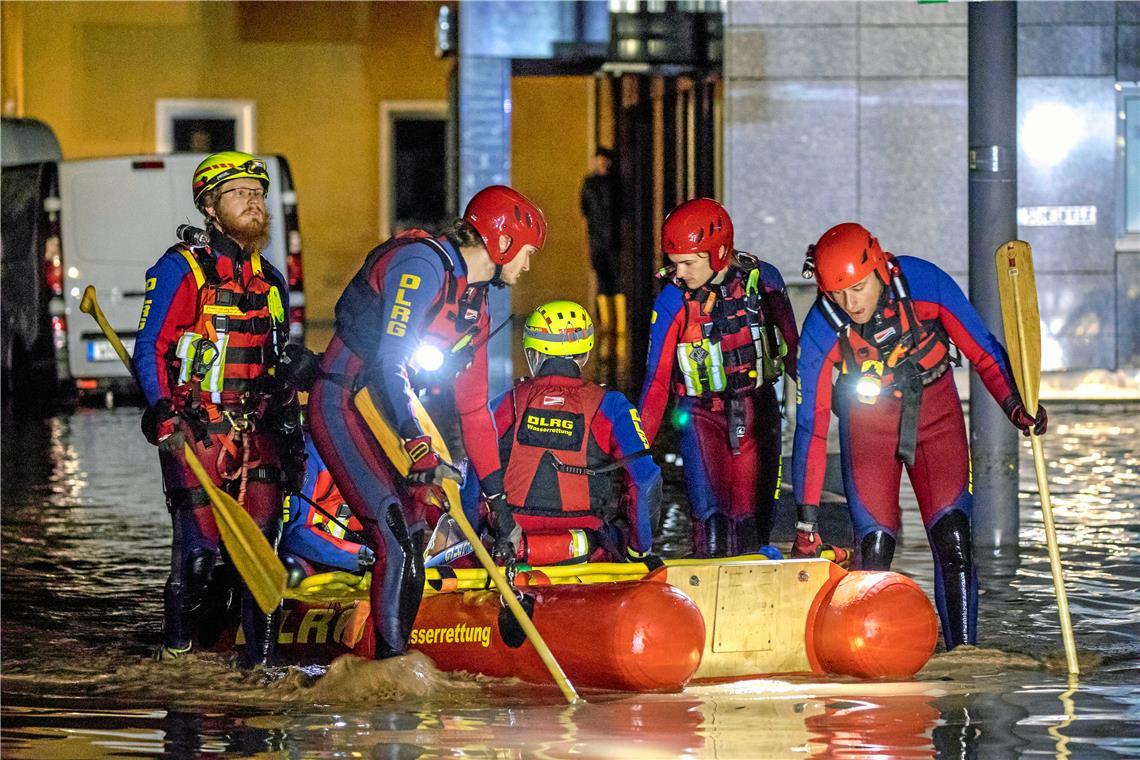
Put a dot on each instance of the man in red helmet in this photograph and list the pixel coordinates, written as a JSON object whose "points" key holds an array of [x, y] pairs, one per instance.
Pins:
{"points": [[886, 325], [416, 315], [722, 333]]}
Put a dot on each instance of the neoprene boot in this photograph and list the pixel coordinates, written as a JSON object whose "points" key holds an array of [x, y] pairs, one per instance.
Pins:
{"points": [[716, 536], [955, 580], [876, 551], [744, 533]]}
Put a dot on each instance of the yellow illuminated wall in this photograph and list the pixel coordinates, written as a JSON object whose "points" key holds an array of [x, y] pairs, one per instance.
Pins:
{"points": [[551, 129], [317, 72]]}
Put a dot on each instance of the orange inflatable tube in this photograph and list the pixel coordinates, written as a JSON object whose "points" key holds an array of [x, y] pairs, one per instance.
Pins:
{"points": [[630, 636], [871, 625]]}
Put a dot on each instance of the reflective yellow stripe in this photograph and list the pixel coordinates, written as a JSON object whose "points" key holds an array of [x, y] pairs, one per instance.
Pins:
{"points": [[199, 278], [229, 311]]}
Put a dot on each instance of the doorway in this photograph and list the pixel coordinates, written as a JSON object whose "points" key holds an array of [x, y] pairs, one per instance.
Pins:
{"points": [[415, 189]]}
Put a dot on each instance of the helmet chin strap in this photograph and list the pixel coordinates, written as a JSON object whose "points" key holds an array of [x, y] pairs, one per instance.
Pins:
{"points": [[496, 280]]}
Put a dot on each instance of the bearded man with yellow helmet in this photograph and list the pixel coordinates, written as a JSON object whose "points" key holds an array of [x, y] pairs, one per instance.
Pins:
{"points": [[561, 439], [211, 334]]}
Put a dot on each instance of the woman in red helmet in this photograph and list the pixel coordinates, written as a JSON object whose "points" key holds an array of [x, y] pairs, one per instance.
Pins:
{"points": [[417, 315], [886, 325], [722, 333]]}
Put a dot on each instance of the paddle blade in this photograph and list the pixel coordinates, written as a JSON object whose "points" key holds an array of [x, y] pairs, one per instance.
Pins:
{"points": [[88, 304], [1017, 288], [252, 555]]}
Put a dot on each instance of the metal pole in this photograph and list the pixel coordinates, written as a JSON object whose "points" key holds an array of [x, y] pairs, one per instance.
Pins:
{"points": [[992, 106]]}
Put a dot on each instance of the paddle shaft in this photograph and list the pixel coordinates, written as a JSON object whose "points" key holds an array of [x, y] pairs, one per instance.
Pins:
{"points": [[393, 447], [1031, 380], [90, 305]]}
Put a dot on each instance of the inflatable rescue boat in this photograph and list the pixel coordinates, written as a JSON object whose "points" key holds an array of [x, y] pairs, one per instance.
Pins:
{"points": [[619, 627]]}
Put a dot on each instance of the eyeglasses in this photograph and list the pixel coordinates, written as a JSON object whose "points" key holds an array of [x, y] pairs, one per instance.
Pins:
{"points": [[245, 193]]}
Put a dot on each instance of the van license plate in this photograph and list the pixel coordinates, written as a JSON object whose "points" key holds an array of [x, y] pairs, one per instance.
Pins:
{"points": [[100, 350]]}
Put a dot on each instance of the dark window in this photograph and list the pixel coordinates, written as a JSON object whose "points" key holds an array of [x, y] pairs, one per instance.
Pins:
{"points": [[420, 173], [204, 135]]}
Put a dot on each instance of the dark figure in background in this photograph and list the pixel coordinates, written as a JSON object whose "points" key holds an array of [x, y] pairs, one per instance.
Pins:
{"points": [[600, 202], [212, 333]]}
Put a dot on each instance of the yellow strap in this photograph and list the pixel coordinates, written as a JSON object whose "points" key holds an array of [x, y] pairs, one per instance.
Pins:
{"points": [[255, 260], [199, 278]]}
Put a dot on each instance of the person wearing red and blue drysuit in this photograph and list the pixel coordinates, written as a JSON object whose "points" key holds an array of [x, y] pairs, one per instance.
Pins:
{"points": [[722, 333], [885, 324], [320, 531], [416, 315], [211, 334]]}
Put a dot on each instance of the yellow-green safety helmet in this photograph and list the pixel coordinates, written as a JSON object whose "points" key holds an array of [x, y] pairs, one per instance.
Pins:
{"points": [[559, 328], [217, 168]]}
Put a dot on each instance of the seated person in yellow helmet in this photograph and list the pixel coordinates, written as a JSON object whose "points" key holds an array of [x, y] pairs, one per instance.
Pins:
{"points": [[561, 439]]}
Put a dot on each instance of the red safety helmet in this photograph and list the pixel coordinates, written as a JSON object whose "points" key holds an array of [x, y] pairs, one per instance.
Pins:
{"points": [[700, 225], [845, 255], [499, 210]]}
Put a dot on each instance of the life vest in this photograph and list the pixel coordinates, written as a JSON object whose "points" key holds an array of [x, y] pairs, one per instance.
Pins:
{"points": [[237, 334], [899, 348], [548, 454], [896, 349], [456, 317], [727, 344]]}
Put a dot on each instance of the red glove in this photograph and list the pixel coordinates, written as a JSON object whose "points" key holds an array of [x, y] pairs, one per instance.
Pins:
{"points": [[808, 545], [424, 458], [1019, 416]]}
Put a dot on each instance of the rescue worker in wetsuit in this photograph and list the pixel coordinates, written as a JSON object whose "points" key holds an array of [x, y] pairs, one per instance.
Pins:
{"points": [[722, 333], [320, 532], [415, 315], [885, 324], [211, 335], [561, 438]]}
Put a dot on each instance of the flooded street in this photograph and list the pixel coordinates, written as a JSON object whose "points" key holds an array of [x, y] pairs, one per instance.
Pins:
{"points": [[85, 542]]}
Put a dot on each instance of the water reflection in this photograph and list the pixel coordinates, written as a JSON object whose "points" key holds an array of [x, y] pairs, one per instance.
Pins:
{"points": [[84, 551]]}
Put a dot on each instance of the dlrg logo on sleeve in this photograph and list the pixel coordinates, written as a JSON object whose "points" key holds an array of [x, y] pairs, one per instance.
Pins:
{"points": [[401, 308]]}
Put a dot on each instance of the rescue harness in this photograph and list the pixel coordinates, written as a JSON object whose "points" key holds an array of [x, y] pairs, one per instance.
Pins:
{"points": [[903, 353]]}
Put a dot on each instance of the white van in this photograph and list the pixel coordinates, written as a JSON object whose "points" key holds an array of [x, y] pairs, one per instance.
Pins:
{"points": [[112, 218]]}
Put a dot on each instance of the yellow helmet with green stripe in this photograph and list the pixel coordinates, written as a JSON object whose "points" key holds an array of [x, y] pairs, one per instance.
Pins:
{"points": [[559, 328], [217, 168]]}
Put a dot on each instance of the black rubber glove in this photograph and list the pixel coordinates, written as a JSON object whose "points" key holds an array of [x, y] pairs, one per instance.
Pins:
{"points": [[1019, 416], [158, 421], [504, 530]]}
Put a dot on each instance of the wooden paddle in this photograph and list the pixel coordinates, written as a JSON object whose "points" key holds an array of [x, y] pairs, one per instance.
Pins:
{"points": [[394, 449], [1017, 288], [251, 553]]}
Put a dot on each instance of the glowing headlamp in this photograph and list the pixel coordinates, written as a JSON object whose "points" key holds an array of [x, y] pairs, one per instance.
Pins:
{"points": [[428, 358], [870, 382]]}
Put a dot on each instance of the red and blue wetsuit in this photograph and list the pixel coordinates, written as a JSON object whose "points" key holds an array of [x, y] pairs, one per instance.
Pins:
{"points": [[560, 438], [310, 535], [212, 326], [917, 418], [715, 348], [410, 291]]}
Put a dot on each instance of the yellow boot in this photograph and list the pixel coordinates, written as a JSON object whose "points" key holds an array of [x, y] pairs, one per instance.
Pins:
{"points": [[619, 313], [604, 323]]}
